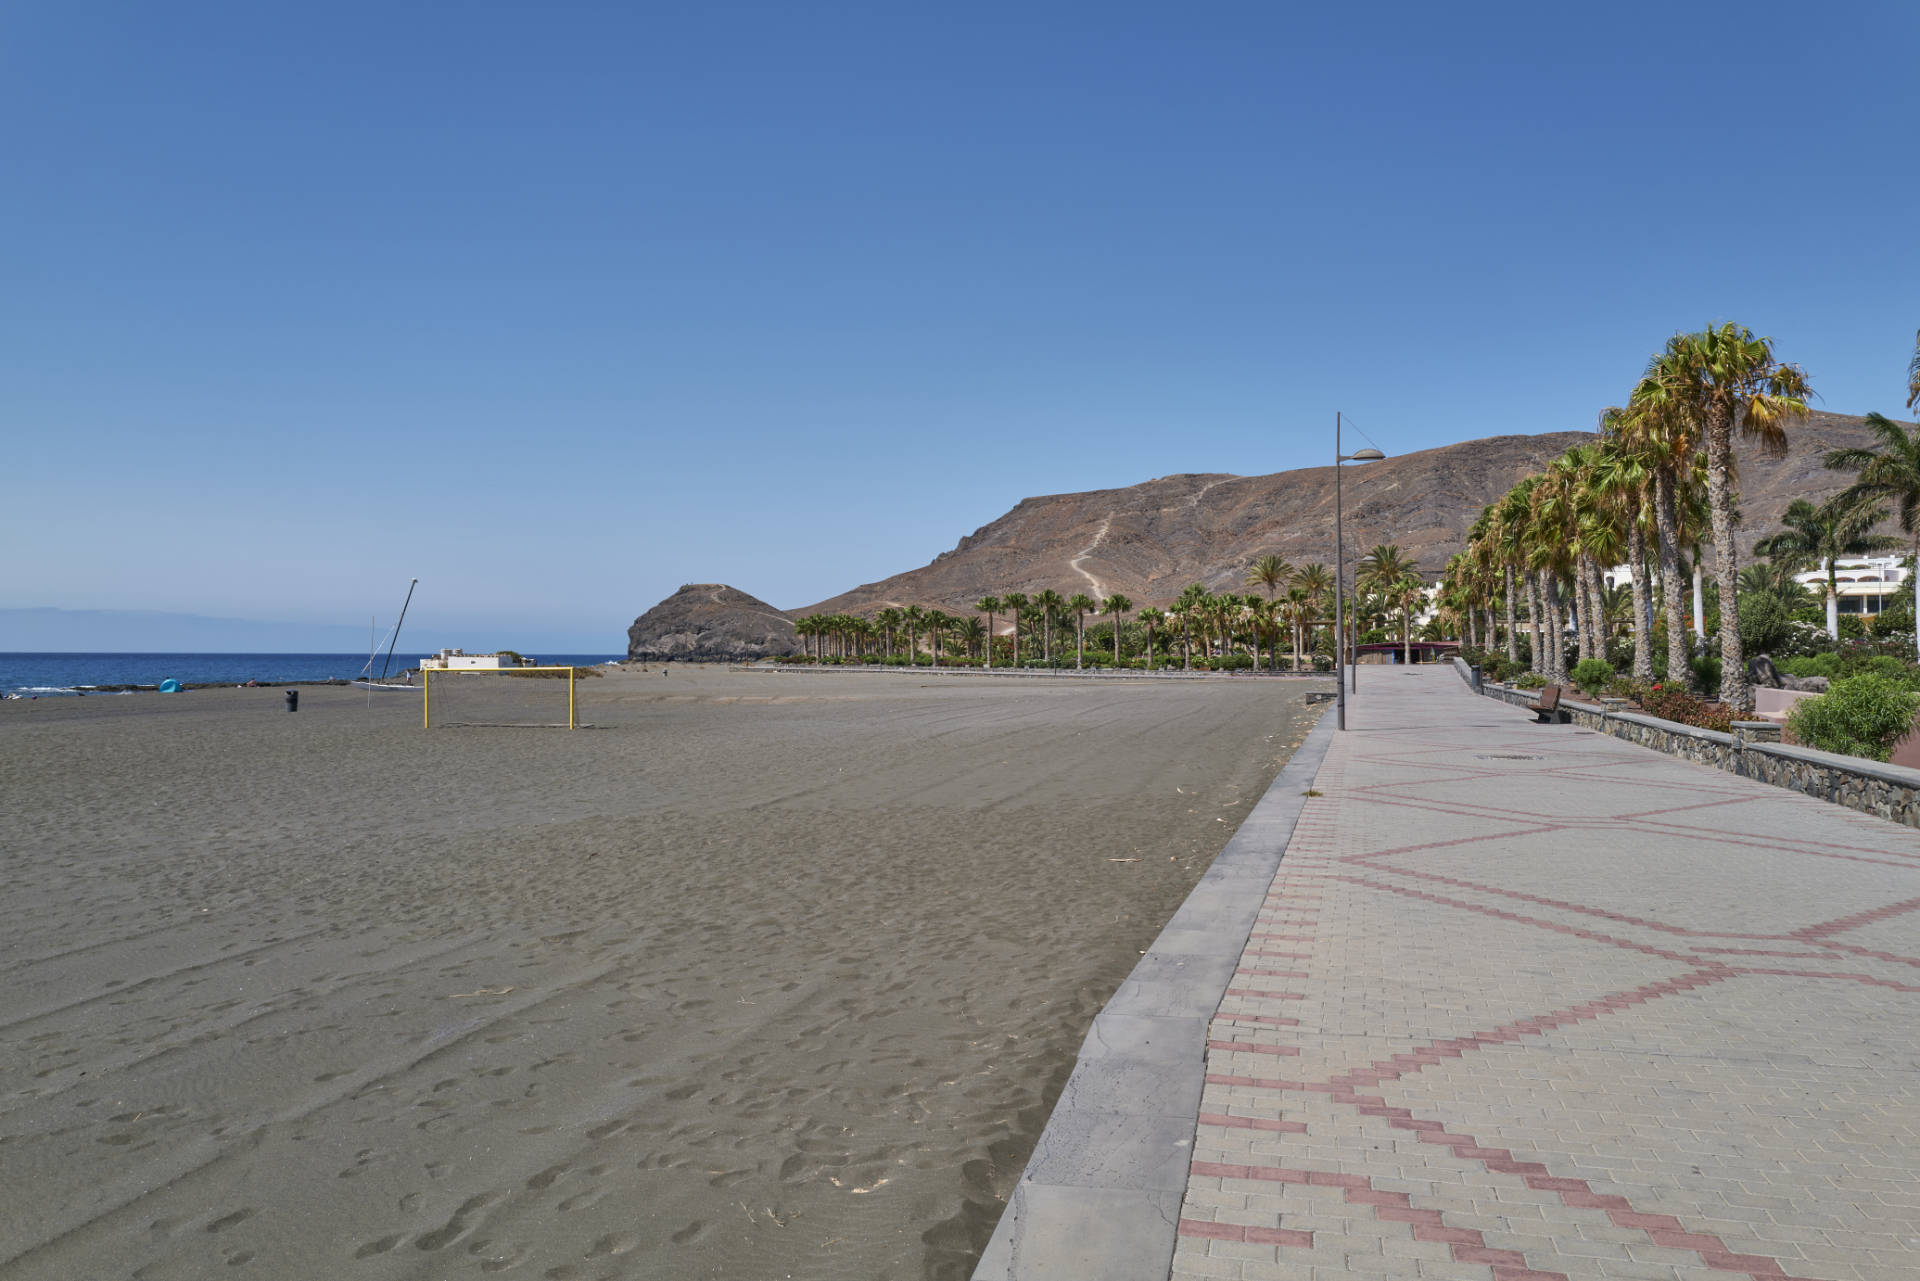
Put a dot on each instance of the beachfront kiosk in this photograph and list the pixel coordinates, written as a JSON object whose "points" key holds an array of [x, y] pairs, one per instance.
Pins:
{"points": [[458, 660]]}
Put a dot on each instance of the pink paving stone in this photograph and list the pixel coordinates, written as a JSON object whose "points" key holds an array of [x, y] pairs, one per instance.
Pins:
{"points": [[1482, 1254], [1248, 1047]]}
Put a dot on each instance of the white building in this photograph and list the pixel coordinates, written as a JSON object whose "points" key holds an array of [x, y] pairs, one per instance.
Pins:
{"points": [[1865, 584], [459, 659]]}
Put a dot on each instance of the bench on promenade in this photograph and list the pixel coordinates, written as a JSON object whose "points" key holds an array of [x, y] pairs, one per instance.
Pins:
{"points": [[1548, 710]]}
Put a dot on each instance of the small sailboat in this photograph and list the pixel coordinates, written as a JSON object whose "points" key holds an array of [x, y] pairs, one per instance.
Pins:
{"points": [[366, 679]]}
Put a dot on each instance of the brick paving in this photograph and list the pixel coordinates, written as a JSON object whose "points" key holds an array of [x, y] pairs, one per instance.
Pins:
{"points": [[1526, 1002]]}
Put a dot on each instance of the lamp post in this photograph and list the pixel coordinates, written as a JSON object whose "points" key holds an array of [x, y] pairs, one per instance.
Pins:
{"points": [[1340, 573]]}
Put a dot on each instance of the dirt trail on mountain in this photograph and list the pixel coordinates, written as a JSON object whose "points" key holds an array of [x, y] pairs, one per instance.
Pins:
{"points": [[1099, 588]]}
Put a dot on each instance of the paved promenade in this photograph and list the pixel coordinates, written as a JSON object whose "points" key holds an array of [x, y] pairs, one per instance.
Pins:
{"points": [[1527, 1002]]}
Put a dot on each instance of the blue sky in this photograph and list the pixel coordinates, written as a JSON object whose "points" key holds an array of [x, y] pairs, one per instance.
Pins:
{"points": [[560, 306]]}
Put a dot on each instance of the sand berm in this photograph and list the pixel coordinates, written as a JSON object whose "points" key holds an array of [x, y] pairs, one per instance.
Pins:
{"points": [[762, 976]]}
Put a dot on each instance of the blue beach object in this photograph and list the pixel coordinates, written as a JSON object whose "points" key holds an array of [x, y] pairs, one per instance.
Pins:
{"points": [[169, 686]]}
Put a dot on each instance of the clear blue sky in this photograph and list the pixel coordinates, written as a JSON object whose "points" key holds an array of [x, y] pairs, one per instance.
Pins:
{"points": [[560, 306]]}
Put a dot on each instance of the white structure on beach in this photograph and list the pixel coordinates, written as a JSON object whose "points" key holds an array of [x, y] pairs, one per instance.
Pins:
{"points": [[459, 660]]}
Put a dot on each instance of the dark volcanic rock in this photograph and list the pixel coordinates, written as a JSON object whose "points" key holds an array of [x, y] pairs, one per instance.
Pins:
{"points": [[711, 622]]}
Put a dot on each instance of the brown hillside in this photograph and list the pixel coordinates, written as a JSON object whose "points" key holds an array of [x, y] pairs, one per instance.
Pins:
{"points": [[1150, 540]]}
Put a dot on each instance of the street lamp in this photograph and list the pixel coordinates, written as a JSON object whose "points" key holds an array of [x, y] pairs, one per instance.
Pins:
{"points": [[1339, 574]]}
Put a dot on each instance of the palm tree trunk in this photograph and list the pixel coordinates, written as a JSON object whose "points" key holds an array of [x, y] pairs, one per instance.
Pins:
{"points": [[1079, 641], [1533, 624], [1734, 690], [1512, 606], [1556, 629], [1667, 529], [1597, 593], [1642, 603], [1582, 611]]}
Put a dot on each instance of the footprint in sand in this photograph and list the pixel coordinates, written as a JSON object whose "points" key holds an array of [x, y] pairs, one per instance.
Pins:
{"points": [[380, 1246], [226, 1221], [612, 1245]]}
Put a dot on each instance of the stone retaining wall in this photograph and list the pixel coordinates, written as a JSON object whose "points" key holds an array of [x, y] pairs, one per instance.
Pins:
{"points": [[1890, 791]]}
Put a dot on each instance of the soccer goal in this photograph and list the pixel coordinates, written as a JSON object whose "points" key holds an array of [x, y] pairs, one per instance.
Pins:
{"points": [[517, 697]]}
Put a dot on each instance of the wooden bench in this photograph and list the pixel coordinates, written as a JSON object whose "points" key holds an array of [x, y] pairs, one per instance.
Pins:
{"points": [[1547, 711]]}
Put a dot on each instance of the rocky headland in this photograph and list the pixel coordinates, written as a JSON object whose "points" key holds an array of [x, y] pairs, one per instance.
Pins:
{"points": [[711, 622]]}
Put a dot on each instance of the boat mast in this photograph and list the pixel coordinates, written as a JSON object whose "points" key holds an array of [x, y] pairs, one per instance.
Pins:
{"points": [[396, 629]]}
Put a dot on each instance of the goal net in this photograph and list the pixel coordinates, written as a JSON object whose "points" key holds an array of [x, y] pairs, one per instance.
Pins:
{"points": [[521, 697]]}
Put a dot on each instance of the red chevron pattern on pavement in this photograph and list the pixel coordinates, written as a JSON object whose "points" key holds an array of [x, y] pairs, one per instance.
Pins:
{"points": [[1558, 1006]]}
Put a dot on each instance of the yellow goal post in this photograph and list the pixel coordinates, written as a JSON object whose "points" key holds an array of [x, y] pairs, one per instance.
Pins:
{"points": [[429, 675]]}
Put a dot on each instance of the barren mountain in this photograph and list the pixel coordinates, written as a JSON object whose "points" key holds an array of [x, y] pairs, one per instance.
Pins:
{"points": [[1150, 540], [704, 622]]}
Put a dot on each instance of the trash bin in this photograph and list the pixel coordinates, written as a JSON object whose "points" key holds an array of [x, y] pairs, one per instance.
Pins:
{"points": [[293, 700]]}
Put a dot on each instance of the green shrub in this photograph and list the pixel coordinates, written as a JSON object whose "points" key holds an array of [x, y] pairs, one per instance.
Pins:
{"points": [[1863, 715], [1889, 667], [1706, 673], [1592, 675], [1827, 665], [1766, 622], [1530, 680]]}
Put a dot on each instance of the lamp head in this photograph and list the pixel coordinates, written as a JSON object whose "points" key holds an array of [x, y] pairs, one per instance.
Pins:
{"points": [[1365, 456]]}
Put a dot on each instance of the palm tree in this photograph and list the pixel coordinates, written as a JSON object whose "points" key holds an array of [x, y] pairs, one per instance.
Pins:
{"points": [[1014, 603], [1719, 380], [1891, 472], [1049, 602], [1913, 375], [970, 633], [888, 620], [1623, 479], [1817, 536], [1152, 618], [1297, 609], [1080, 603], [937, 623], [1184, 608], [1270, 572], [1382, 570], [1317, 582], [914, 617], [1116, 605], [988, 605]]}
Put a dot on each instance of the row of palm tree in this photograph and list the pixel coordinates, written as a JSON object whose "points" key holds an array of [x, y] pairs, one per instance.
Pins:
{"points": [[1209, 624], [1636, 490], [1658, 483]]}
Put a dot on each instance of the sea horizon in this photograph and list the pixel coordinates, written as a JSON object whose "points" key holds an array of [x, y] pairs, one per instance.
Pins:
{"points": [[54, 674]]}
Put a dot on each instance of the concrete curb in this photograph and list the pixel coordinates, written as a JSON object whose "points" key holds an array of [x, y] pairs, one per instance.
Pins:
{"points": [[1031, 673], [1101, 1195]]}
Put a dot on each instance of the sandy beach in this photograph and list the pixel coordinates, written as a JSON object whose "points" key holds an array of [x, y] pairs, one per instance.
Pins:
{"points": [[763, 976]]}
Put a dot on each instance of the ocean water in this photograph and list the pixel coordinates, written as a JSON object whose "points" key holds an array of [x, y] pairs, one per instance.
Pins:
{"points": [[53, 675]]}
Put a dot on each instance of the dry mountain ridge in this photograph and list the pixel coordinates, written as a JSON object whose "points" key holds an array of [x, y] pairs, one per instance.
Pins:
{"points": [[1150, 540]]}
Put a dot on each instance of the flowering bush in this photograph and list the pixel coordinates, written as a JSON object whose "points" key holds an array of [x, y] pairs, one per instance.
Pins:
{"points": [[1673, 704]]}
